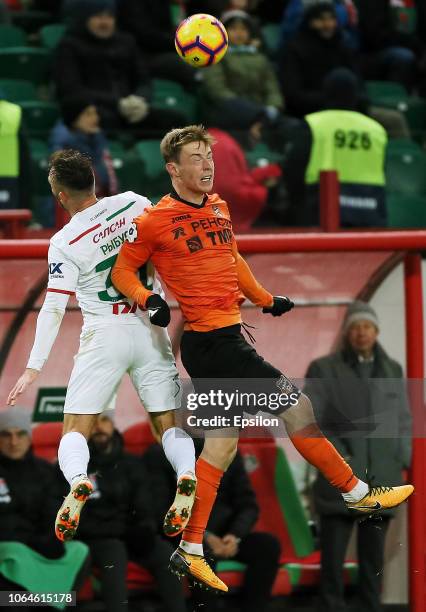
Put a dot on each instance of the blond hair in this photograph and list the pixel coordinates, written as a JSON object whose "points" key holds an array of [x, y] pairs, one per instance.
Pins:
{"points": [[174, 140]]}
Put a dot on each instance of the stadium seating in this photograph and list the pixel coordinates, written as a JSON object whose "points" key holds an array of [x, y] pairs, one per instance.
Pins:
{"points": [[405, 170], [406, 210], [393, 95], [11, 36], [154, 178], [51, 34], [128, 167], [17, 90], [169, 94], [29, 63], [46, 438], [138, 438], [261, 155], [282, 514], [39, 117]]}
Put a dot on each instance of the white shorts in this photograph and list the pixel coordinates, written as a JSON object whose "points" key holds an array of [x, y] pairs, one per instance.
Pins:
{"points": [[106, 354]]}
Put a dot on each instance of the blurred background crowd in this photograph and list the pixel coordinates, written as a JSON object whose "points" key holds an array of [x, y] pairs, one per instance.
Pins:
{"points": [[103, 76]]}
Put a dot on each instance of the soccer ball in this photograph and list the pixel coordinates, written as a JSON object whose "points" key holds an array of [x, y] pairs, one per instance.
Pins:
{"points": [[201, 40]]}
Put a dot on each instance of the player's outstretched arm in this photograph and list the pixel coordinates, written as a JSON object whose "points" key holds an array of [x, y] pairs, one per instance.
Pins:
{"points": [[253, 290], [48, 323]]}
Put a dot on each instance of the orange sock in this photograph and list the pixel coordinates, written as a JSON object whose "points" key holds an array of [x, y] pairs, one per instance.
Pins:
{"points": [[208, 481], [315, 448]]}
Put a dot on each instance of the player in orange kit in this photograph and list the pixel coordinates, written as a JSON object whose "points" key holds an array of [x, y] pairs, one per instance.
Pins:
{"points": [[188, 237]]}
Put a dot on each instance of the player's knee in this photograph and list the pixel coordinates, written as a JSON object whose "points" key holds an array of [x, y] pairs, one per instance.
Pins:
{"points": [[81, 423]]}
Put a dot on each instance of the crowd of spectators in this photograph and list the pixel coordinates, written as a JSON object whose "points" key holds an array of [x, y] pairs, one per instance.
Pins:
{"points": [[113, 50]]}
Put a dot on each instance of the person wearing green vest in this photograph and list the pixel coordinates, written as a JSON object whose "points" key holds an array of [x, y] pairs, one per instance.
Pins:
{"points": [[342, 139], [14, 159]]}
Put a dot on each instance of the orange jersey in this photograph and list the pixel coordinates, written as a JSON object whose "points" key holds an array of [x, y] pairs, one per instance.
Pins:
{"points": [[193, 249]]}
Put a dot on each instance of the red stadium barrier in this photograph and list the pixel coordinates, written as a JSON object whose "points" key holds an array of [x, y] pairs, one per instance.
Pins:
{"points": [[411, 241]]}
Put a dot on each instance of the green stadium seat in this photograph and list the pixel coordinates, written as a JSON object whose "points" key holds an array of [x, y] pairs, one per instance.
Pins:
{"points": [[51, 34], [393, 95], [271, 34], [11, 36], [404, 144], [16, 90], [155, 179], [39, 117], [27, 63], [386, 93], [405, 171], [261, 155], [406, 211], [169, 94], [282, 514], [128, 167]]}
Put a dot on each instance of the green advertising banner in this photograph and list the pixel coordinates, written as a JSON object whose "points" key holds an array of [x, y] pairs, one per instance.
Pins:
{"points": [[49, 406]]}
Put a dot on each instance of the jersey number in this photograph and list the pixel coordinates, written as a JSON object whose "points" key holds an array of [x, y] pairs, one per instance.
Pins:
{"points": [[352, 140], [110, 293]]}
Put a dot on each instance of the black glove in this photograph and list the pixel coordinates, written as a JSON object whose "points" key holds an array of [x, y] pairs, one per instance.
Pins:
{"points": [[280, 306], [158, 310]]}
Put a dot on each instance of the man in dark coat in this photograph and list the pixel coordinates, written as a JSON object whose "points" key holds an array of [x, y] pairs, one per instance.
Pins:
{"points": [[119, 523], [308, 59], [105, 64], [359, 397], [229, 532]]}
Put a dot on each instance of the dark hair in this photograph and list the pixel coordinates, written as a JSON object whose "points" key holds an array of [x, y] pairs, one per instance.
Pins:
{"points": [[72, 170]]}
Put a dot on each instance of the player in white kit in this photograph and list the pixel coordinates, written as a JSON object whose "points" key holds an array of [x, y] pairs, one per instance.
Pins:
{"points": [[116, 337]]}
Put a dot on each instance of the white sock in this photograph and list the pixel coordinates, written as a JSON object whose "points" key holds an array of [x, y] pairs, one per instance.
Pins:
{"points": [[73, 455], [359, 491], [179, 450], [191, 548]]}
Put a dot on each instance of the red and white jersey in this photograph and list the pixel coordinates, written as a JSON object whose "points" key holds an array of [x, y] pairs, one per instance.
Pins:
{"points": [[83, 252]]}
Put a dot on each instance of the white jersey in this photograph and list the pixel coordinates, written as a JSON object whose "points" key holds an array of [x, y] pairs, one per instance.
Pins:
{"points": [[82, 254]]}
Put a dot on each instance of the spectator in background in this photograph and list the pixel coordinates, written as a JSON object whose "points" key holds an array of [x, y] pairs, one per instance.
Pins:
{"points": [[28, 504], [152, 25], [79, 129], [15, 164], [244, 75], [393, 38], [346, 14], [360, 401], [247, 191], [229, 532], [119, 524], [310, 57], [338, 138], [102, 63]]}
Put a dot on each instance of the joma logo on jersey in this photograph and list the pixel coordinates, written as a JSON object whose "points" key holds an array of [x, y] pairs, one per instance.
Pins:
{"points": [[181, 218], [178, 232], [217, 211], [55, 268]]}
